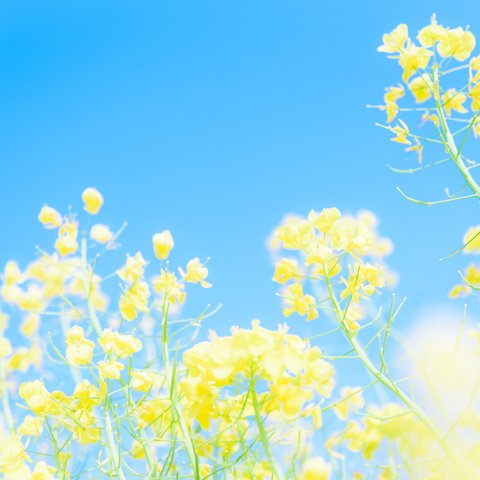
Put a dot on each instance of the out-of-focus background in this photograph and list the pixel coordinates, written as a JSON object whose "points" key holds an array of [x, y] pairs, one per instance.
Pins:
{"points": [[214, 119]]}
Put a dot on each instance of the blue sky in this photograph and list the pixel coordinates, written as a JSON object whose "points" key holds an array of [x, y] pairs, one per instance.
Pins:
{"points": [[214, 119]]}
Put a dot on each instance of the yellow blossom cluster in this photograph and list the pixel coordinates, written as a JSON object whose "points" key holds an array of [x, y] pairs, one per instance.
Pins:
{"points": [[120, 379], [424, 73], [329, 244], [294, 372]]}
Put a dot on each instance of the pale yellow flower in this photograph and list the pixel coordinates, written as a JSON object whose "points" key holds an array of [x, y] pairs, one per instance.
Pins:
{"points": [[5, 347], [79, 348], [421, 88], [92, 200], [110, 369], [196, 272], [431, 34], [49, 217], [32, 426], [36, 396], [42, 471], [413, 59], [394, 42], [297, 301], [13, 458], [402, 132], [286, 269], [119, 344], [162, 244], [471, 240], [315, 468], [453, 100], [101, 233], [457, 43]]}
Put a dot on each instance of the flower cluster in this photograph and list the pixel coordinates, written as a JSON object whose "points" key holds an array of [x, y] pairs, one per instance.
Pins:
{"points": [[342, 252], [425, 72]]}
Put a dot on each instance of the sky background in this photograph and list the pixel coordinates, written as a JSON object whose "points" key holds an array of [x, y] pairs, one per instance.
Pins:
{"points": [[214, 119]]}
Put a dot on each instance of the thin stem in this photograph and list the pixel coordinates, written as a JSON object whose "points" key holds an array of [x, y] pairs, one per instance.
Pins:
{"points": [[92, 314], [177, 409], [386, 381], [276, 470], [451, 145]]}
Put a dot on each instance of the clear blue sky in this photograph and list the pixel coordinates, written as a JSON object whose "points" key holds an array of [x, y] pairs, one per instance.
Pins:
{"points": [[214, 119]]}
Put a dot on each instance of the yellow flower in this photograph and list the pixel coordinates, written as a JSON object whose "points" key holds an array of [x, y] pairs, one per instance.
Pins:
{"points": [[317, 252], [394, 42], [315, 412], [394, 93], [13, 458], [352, 401], [431, 34], [168, 284], [364, 279], [413, 59], [472, 275], [286, 269], [353, 315], [324, 220], [196, 273], [30, 325], [36, 396], [204, 470], [475, 63], [143, 380], [32, 426], [49, 217], [475, 67], [474, 94], [21, 359], [134, 300], [12, 273], [5, 347], [295, 235], [459, 291], [42, 471], [110, 369], [457, 43], [453, 100], [137, 450], [163, 244], [392, 111], [101, 233], [133, 269], [391, 96], [471, 240], [127, 308], [79, 348], [118, 344], [66, 242], [421, 88], [92, 200], [297, 301], [86, 395], [315, 468], [401, 131]]}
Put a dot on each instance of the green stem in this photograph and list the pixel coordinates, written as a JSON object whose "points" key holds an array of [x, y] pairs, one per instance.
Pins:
{"points": [[276, 470], [177, 409], [451, 146], [116, 460], [92, 314], [387, 382]]}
